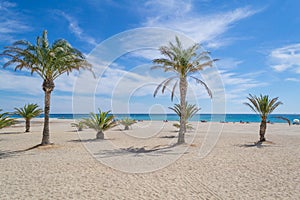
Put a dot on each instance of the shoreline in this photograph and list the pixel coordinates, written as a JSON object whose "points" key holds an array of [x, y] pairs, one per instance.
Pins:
{"points": [[142, 163]]}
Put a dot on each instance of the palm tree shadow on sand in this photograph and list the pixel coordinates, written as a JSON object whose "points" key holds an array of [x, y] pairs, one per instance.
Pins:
{"points": [[7, 153], [259, 144], [89, 140], [138, 151]]}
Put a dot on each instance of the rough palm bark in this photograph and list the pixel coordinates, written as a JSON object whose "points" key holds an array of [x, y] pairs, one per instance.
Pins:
{"points": [[182, 129], [48, 87], [27, 125], [262, 130], [100, 135]]}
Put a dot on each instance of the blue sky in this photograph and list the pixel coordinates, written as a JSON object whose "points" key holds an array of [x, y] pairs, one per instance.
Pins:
{"points": [[257, 42]]}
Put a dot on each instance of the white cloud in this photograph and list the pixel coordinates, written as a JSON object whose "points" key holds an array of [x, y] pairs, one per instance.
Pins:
{"points": [[75, 28], [11, 21], [24, 83], [286, 58], [14, 82], [293, 80], [180, 16], [237, 86], [165, 8], [228, 63]]}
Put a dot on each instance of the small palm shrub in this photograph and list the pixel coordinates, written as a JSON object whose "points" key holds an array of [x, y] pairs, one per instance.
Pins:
{"points": [[127, 122], [28, 112], [80, 125], [100, 122], [5, 121], [191, 110]]}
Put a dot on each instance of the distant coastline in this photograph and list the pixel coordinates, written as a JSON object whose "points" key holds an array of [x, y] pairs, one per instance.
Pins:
{"points": [[173, 117]]}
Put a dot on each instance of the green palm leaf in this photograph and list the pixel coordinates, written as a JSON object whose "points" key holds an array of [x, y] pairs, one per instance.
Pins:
{"points": [[191, 110], [184, 63], [100, 122], [49, 62], [5, 120], [127, 122], [263, 106], [28, 112]]}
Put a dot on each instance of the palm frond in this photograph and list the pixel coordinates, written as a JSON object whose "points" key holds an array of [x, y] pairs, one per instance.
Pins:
{"points": [[48, 61], [173, 90], [182, 62], [284, 118], [163, 84], [5, 120], [191, 110], [203, 84], [29, 111], [101, 121], [127, 121], [262, 104]]}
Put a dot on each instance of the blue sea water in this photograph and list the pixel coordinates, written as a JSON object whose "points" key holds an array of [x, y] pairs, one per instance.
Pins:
{"points": [[198, 117]]}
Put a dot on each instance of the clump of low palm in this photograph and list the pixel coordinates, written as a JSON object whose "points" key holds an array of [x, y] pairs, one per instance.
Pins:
{"points": [[264, 106], [127, 122], [80, 125], [100, 122], [191, 110], [187, 126], [5, 121], [28, 112]]}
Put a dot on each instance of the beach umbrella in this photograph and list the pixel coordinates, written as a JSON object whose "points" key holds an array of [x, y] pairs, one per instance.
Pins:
{"points": [[296, 121]]}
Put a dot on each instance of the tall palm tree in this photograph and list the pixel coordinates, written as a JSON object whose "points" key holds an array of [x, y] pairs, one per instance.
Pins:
{"points": [[100, 122], [183, 63], [28, 112], [264, 106], [47, 61], [191, 110], [5, 121]]}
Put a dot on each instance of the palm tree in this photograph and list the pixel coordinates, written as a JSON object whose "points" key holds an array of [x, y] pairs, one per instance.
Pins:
{"points": [[100, 122], [49, 62], [127, 122], [28, 112], [264, 106], [5, 121], [79, 125], [188, 126], [183, 63], [191, 110]]}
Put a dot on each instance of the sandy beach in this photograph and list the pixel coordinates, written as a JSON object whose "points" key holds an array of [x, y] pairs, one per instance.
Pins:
{"points": [[142, 163]]}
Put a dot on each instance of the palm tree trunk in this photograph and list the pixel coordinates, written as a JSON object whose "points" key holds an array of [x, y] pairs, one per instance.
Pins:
{"points": [[100, 135], [48, 87], [46, 134], [27, 125], [126, 127], [183, 91], [262, 130]]}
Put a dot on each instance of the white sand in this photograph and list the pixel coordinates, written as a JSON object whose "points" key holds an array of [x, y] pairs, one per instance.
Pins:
{"points": [[234, 169]]}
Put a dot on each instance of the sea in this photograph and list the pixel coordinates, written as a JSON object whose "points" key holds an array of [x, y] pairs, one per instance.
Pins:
{"points": [[273, 118]]}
